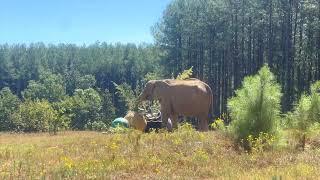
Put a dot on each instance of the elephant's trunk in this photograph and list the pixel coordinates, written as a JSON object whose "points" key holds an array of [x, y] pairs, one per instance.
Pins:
{"points": [[139, 99], [142, 97]]}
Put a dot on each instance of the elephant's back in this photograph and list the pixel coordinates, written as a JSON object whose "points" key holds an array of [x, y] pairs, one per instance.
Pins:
{"points": [[191, 86], [190, 98]]}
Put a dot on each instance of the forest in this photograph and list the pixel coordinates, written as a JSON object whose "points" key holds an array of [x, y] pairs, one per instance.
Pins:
{"points": [[223, 41], [261, 59], [227, 40]]}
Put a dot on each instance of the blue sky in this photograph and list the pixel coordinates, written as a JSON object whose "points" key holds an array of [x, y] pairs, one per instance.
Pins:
{"points": [[78, 21]]}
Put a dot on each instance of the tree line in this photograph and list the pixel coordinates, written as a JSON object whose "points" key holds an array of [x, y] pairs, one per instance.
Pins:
{"points": [[47, 87]]}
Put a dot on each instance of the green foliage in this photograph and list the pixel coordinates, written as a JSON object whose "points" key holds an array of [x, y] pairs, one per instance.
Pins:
{"points": [[86, 82], [49, 72], [315, 102], [186, 74], [127, 95], [306, 114], [35, 116], [307, 110], [218, 124], [63, 119], [50, 87], [8, 104], [301, 115], [108, 108], [261, 143], [228, 40], [256, 107], [96, 126], [119, 130], [85, 106], [152, 76]]}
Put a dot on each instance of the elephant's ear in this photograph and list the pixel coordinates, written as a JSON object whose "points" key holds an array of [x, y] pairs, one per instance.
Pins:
{"points": [[152, 90]]}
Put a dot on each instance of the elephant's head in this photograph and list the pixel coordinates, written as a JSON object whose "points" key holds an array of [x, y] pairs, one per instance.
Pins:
{"points": [[154, 89], [147, 93]]}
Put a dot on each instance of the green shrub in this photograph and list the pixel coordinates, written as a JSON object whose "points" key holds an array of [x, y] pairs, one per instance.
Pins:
{"points": [[314, 112], [152, 76], [306, 114], [108, 109], [35, 116], [307, 110], [127, 95], [186, 74], [85, 106], [63, 119], [218, 124], [256, 107], [96, 126], [261, 143], [301, 115], [8, 105]]}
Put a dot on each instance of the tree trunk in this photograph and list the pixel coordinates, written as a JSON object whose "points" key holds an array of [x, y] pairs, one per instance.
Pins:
{"points": [[270, 38]]}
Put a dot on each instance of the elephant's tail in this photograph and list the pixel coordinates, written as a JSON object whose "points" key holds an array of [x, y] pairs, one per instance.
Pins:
{"points": [[210, 114]]}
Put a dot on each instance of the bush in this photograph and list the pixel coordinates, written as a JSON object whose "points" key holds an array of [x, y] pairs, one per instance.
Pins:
{"points": [[108, 109], [96, 126], [85, 106], [314, 112], [301, 115], [256, 107], [218, 124], [306, 114], [35, 116], [127, 95], [63, 119], [262, 142], [8, 105], [186, 74]]}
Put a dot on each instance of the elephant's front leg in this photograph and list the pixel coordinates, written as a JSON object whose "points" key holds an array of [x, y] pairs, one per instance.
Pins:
{"points": [[165, 114], [174, 120], [166, 122]]}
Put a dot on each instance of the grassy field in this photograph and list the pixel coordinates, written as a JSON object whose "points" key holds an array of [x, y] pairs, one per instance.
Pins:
{"points": [[184, 154]]}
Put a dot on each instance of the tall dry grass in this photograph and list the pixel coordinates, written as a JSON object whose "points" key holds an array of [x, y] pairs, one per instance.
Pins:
{"points": [[184, 154]]}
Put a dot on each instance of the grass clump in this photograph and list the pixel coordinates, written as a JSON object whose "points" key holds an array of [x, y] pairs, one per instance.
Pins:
{"points": [[256, 107]]}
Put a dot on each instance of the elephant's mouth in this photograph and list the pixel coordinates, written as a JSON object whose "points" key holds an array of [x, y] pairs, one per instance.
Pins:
{"points": [[148, 97]]}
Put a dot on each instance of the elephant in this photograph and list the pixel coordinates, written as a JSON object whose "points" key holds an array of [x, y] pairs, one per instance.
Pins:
{"points": [[190, 97]]}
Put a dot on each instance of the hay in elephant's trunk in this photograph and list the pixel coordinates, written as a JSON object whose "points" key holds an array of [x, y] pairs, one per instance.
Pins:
{"points": [[136, 120]]}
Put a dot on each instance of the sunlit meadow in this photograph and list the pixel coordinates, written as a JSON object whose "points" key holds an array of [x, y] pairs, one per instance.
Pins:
{"points": [[184, 154]]}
